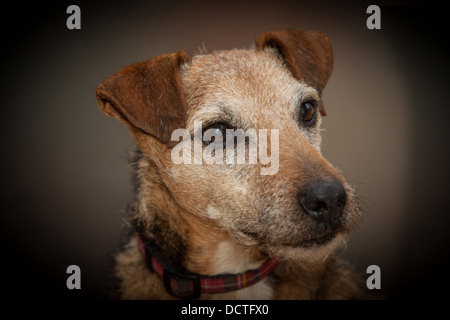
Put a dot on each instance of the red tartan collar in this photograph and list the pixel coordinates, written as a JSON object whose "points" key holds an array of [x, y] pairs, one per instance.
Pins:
{"points": [[187, 285]]}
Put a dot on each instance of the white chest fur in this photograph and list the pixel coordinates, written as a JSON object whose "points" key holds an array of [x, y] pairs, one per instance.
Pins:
{"points": [[231, 258]]}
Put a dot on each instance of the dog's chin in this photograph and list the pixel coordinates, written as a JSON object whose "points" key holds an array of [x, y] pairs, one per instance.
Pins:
{"points": [[311, 249]]}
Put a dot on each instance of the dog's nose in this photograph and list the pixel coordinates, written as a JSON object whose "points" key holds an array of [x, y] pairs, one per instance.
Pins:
{"points": [[323, 200]]}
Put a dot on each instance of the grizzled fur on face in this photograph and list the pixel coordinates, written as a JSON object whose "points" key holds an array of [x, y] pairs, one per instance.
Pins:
{"points": [[203, 213], [258, 210]]}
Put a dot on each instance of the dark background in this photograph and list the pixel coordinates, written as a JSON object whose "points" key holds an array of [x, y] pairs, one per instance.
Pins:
{"points": [[64, 165]]}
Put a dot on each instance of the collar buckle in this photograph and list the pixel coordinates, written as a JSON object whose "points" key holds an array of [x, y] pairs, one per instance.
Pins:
{"points": [[186, 285]]}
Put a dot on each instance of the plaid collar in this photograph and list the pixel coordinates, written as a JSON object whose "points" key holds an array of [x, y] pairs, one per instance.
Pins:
{"points": [[187, 285]]}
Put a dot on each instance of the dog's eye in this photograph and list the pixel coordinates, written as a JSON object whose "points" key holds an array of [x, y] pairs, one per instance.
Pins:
{"points": [[308, 113], [216, 132]]}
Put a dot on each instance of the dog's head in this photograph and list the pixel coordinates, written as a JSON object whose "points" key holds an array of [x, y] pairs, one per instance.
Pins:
{"points": [[282, 196]]}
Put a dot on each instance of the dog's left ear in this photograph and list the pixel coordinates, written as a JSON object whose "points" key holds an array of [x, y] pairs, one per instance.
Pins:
{"points": [[307, 54]]}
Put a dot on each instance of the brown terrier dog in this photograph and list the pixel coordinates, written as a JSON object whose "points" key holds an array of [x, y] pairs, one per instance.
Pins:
{"points": [[228, 231]]}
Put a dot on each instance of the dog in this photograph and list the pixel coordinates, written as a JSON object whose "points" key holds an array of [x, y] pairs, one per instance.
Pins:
{"points": [[225, 230]]}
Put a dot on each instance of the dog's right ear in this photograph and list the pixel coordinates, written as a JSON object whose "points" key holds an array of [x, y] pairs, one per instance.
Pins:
{"points": [[148, 95]]}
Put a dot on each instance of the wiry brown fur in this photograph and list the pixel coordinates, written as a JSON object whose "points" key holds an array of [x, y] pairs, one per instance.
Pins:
{"points": [[217, 218]]}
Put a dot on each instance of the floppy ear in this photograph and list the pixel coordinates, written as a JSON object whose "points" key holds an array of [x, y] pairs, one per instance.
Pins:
{"points": [[307, 54], [147, 95]]}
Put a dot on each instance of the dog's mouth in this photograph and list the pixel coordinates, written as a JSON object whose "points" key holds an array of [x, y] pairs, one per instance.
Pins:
{"points": [[318, 241], [325, 236], [323, 233]]}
